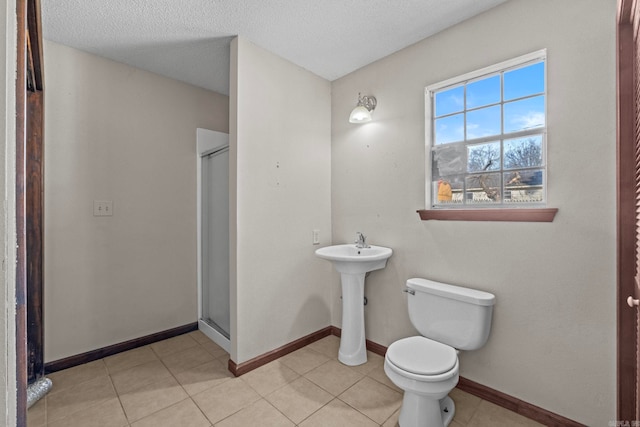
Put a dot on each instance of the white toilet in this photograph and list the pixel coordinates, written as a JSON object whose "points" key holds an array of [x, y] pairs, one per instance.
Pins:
{"points": [[450, 318]]}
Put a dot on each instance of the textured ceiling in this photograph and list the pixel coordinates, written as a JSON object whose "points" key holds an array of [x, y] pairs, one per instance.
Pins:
{"points": [[188, 40]]}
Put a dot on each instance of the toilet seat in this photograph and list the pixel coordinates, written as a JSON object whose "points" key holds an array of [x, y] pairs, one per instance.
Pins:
{"points": [[422, 356]]}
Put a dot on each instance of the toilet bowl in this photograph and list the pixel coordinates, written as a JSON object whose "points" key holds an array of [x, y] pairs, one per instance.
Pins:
{"points": [[426, 367], [427, 371]]}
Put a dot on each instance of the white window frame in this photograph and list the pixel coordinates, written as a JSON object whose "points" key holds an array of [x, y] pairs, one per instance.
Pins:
{"points": [[540, 55]]}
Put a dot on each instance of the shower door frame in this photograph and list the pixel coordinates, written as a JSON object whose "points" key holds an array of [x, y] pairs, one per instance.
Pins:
{"points": [[208, 142]]}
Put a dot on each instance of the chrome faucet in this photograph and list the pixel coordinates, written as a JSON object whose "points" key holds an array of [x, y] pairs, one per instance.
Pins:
{"points": [[361, 241]]}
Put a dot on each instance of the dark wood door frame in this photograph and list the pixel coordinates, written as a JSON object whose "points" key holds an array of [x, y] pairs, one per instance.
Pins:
{"points": [[34, 230], [29, 118], [627, 400], [29, 198]]}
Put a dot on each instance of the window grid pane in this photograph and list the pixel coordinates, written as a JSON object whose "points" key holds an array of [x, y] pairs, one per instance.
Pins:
{"points": [[519, 177], [484, 91]]}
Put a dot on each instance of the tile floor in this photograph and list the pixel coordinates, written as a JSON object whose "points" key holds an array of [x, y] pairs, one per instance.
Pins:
{"points": [[184, 381]]}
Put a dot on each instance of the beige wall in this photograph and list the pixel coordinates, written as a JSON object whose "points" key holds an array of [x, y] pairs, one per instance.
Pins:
{"points": [[7, 215], [118, 133], [114, 132], [553, 337], [281, 157]]}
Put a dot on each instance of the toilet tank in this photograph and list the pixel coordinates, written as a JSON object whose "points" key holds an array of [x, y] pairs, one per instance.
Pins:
{"points": [[453, 315]]}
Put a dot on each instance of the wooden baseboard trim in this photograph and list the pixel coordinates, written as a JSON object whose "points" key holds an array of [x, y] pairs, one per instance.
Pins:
{"points": [[373, 347], [516, 405], [256, 362], [90, 356], [494, 396], [491, 395]]}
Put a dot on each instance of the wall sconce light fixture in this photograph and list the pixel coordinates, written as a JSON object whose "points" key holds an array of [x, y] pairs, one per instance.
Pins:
{"points": [[362, 112]]}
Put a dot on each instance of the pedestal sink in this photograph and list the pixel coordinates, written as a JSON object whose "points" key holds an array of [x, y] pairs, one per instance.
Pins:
{"points": [[353, 263]]}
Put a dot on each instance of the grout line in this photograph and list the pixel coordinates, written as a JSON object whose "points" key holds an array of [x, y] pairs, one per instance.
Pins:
{"points": [[200, 410], [282, 413], [215, 359], [153, 382], [356, 409], [87, 406], [392, 414], [219, 358], [381, 383], [311, 414], [118, 397]]}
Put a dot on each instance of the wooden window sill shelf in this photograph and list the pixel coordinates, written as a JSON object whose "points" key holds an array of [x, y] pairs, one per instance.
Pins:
{"points": [[513, 215]]}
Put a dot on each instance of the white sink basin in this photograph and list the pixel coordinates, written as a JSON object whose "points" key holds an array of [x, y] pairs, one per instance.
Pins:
{"points": [[353, 263], [353, 260]]}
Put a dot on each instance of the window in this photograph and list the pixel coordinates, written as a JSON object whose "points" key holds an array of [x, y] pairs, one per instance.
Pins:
{"points": [[486, 137]]}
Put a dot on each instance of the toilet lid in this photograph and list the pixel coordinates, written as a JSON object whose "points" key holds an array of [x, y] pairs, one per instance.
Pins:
{"points": [[422, 356]]}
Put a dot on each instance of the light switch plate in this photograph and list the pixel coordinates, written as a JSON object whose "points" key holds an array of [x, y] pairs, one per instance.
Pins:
{"points": [[102, 207]]}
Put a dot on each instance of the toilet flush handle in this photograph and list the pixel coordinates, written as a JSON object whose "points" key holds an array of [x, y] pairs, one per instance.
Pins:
{"points": [[409, 291]]}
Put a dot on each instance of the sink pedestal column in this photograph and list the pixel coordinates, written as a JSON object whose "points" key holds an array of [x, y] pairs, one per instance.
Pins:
{"points": [[353, 262], [353, 349]]}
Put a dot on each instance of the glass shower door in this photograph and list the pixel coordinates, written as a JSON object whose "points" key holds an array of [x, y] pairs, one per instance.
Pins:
{"points": [[215, 241]]}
